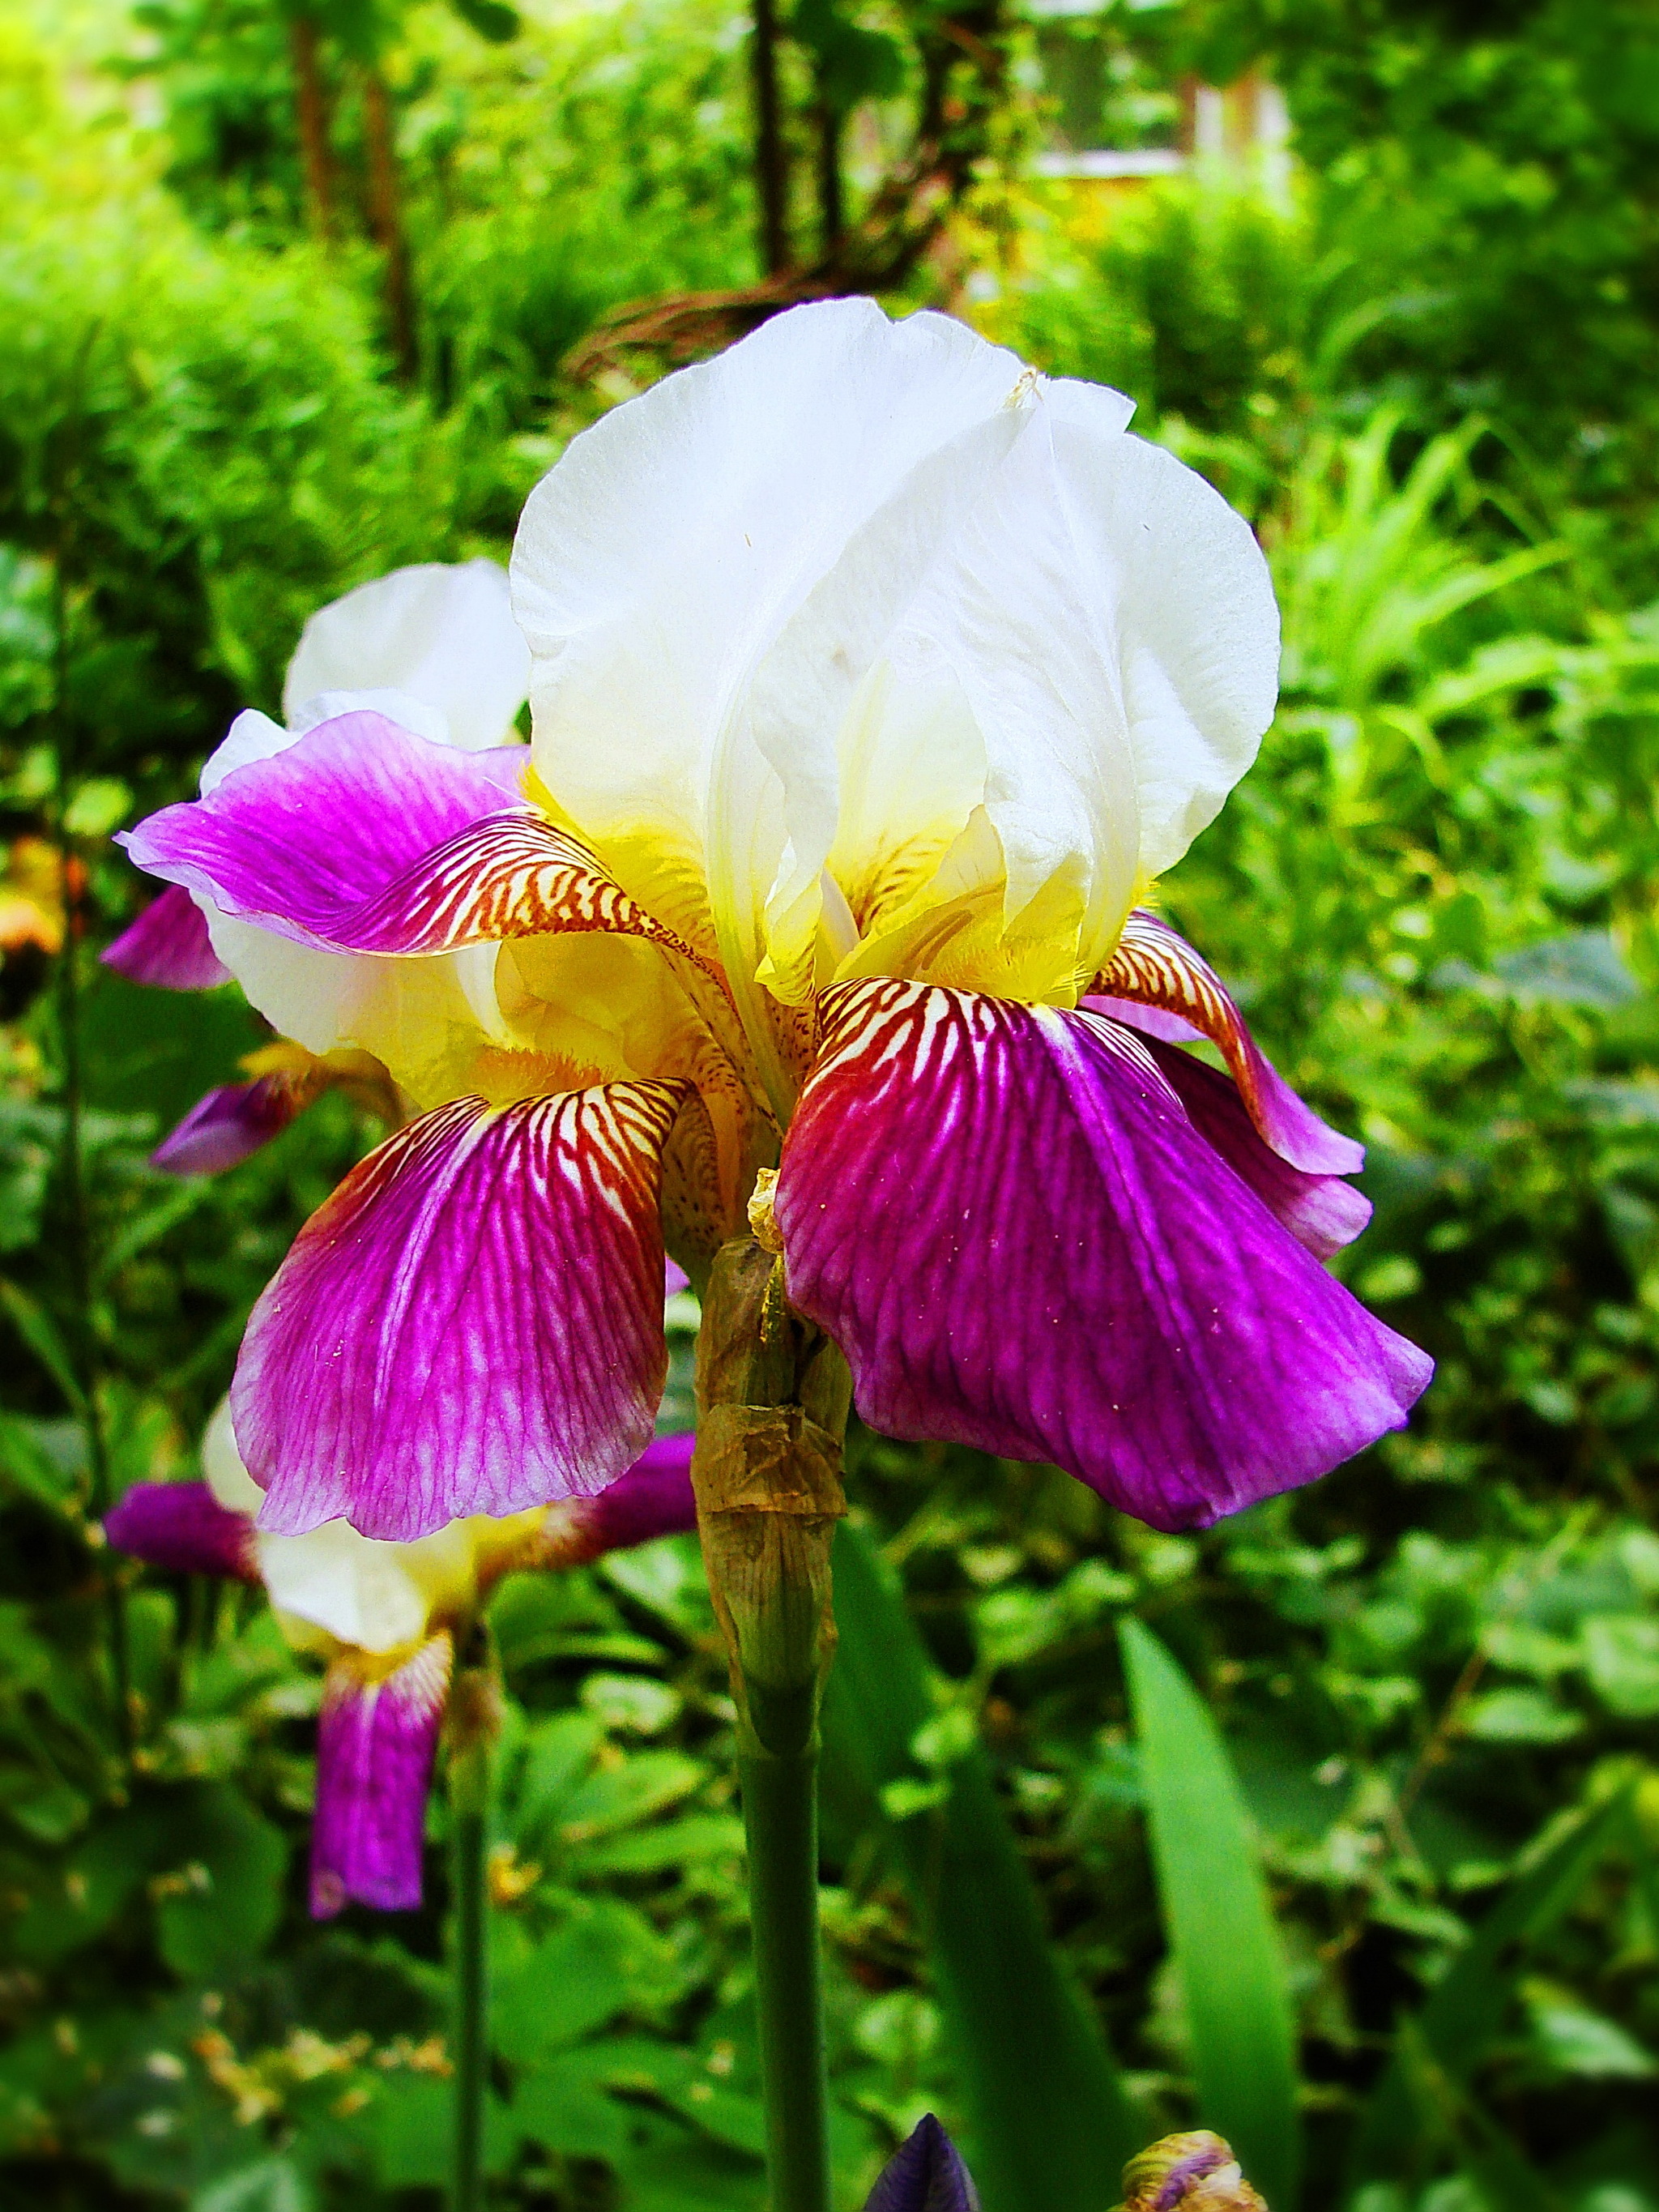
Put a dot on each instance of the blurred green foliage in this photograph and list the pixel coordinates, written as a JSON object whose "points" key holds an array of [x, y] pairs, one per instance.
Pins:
{"points": [[1427, 1686]]}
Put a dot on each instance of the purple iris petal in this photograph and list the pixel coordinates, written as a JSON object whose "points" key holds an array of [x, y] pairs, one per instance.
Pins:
{"points": [[363, 838], [1005, 1218], [925, 2174], [181, 1528], [227, 1126], [674, 1280], [653, 1498], [302, 841], [1321, 1211], [376, 1737], [167, 946], [1155, 967], [472, 1323]]}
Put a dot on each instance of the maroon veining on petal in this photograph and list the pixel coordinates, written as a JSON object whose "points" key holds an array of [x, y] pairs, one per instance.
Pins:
{"points": [[294, 841], [1154, 966], [472, 1323], [181, 1528], [925, 2174], [167, 946], [228, 1126], [1007, 1221], [363, 838], [376, 1738]]}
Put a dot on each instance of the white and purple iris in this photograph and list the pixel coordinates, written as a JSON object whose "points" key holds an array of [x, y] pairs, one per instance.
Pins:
{"points": [[386, 1619], [874, 681]]}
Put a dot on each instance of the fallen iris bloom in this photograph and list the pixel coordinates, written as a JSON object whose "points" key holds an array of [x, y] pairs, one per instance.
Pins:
{"points": [[388, 1620], [874, 681]]}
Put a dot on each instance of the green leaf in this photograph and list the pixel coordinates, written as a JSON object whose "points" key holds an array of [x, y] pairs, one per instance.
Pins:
{"points": [[272, 2185], [221, 1906], [562, 1991], [558, 2105], [412, 2126], [1219, 1924], [491, 19], [40, 1332], [1052, 2126], [1621, 1657], [1457, 2026]]}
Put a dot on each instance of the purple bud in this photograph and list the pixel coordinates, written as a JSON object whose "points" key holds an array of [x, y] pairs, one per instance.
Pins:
{"points": [[924, 2174], [181, 1528]]}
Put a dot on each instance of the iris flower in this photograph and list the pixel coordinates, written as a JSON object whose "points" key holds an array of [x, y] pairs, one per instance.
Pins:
{"points": [[387, 1621], [875, 680]]}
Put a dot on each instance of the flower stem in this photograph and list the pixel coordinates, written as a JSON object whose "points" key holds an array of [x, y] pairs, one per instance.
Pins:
{"points": [[474, 1711], [779, 1814], [85, 1357], [772, 1398]]}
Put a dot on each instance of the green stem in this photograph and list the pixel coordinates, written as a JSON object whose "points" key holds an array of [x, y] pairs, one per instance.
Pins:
{"points": [[779, 1812], [469, 1783], [77, 1224], [772, 1400]]}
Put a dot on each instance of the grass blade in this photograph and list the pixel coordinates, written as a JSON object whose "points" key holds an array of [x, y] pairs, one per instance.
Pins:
{"points": [[1218, 1920], [1051, 2125], [1468, 2007]]}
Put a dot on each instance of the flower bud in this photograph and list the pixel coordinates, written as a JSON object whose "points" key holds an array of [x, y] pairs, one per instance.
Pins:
{"points": [[1193, 2173]]}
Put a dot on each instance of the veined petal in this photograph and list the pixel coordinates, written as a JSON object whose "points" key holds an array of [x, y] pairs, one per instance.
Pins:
{"points": [[653, 1498], [445, 634], [472, 1323], [1005, 1218], [181, 1528], [332, 1586], [361, 837], [298, 840], [925, 2174], [1153, 966], [1323, 1211], [376, 1738], [167, 946]]}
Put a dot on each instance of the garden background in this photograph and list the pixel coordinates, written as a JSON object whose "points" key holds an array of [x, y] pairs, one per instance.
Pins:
{"points": [[289, 297]]}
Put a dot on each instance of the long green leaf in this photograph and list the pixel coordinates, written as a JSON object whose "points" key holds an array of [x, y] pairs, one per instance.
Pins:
{"points": [[1219, 1924], [1468, 2007], [1051, 2125]]}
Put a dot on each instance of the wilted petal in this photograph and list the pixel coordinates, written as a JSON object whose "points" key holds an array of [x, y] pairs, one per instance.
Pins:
{"points": [[228, 1126], [1155, 967], [1006, 1220], [181, 1528], [1324, 1213], [472, 1323], [167, 946], [445, 634], [653, 1498], [925, 2174], [376, 1737]]}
